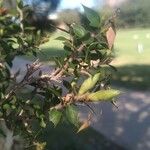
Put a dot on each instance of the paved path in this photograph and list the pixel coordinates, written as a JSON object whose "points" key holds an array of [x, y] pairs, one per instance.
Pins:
{"points": [[20, 64], [128, 126]]}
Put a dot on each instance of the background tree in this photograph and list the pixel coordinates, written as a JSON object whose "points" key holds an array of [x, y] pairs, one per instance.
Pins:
{"points": [[134, 13], [68, 16]]}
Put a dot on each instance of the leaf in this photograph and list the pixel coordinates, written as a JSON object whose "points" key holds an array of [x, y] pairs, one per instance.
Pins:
{"points": [[61, 38], [54, 91], [1, 32], [85, 125], [113, 68], [103, 95], [72, 115], [110, 34], [6, 106], [2, 134], [89, 83], [55, 116], [30, 28], [68, 44], [93, 45], [42, 123], [87, 39], [78, 30], [1, 114], [92, 16], [40, 146]]}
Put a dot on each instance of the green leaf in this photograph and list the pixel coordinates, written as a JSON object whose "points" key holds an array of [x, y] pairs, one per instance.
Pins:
{"points": [[61, 38], [54, 91], [93, 46], [55, 116], [89, 83], [78, 30], [92, 16], [68, 44], [18, 1], [42, 123], [72, 115], [1, 32], [1, 114], [40, 146], [2, 134], [6, 106], [30, 28], [103, 95]]}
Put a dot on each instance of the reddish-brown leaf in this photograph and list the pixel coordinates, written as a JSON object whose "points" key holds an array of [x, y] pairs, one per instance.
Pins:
{"points": [[110, 34], [3, 11], [86, 123]]}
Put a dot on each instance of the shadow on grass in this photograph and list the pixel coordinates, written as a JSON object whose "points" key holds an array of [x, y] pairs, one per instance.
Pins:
{"points": [[133, 77], [65, 138]]}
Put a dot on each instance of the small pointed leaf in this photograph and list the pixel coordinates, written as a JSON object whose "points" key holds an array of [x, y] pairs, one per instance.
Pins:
{"points": [[85, 125], [72, 115], [78, 30], [89, 83], [67, 43], [61, 38], [55, 116], [103, 95], [42, 123]]}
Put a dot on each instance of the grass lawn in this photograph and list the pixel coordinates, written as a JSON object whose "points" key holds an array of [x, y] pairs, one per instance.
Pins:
{"points": [[126, 47], [135, 77], [133, 65]]}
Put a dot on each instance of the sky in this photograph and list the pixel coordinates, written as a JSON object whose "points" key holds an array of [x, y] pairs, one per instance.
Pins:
{"points": [[71, 4], [76, 4]]}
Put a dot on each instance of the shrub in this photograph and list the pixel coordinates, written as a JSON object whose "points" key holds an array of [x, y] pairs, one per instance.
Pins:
{"points": [[51, 97]]}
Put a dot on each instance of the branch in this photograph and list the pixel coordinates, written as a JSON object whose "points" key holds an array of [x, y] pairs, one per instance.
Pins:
{"points": [[59, 28], [31, 69], [21, 19]]}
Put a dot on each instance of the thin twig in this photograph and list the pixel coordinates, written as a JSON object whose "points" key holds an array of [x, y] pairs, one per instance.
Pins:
{"points": [[21, 19], [59, 28]]}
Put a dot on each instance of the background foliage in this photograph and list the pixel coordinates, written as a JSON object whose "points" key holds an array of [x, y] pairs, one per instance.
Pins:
{"points": [[134, 13]]}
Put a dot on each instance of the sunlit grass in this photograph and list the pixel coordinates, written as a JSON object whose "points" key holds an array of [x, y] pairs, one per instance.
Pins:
{"points": [[133, 65], [126, 47]]}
